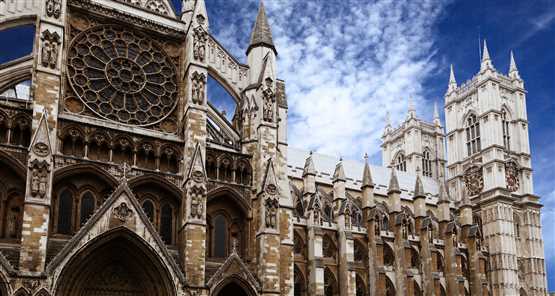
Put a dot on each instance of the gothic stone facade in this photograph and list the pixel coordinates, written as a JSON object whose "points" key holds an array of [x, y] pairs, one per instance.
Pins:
{"points": [[118, 177]]}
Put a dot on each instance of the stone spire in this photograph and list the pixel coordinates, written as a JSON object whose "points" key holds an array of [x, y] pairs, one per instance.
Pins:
{"points": [[419, 187], [437, 120], [486, 60], [339, 174], [261, 33], [387, 127], [412, 108], [393, 182], [443, 195], [443, 203], [452, 82], [309, 166], [513, 70], [366, 174]]}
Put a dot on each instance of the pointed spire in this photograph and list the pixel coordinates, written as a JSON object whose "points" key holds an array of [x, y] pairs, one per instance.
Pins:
{"points": [[418, 186], [393, 182], [452, 81], [412, 108], [309, 166], [367, 174], [261, 33], [443, 194], [513, 70], [486, 60], [339, 174]]}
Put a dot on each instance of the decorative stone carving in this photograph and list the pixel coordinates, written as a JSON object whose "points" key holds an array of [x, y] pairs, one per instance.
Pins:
{"points": [[199, 44], [50, 47], [511, 175], [272, 206], [39, 178], [53, 8], [122, 212], [198, 81], [122, 75], [269, 98], [473, 180], [40, 149], [197, 201]]}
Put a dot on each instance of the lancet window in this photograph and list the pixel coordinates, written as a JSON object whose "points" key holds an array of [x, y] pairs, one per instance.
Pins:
{"points": [[472, 129]]}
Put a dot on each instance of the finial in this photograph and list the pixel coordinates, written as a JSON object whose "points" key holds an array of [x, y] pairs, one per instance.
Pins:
{"points": [[393, 182], [412, 108], [486, 60], [125, 169], [513, 70], [309, 168], [452, 81], [339, 174], [366, 156], [366, 173]]}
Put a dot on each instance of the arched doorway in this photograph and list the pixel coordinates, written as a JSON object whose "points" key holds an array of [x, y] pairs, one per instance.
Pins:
{"points": [[232, 289], [116, 264], [233, 286]]}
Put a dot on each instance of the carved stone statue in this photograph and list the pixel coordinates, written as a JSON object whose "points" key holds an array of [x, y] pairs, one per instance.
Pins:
{"points": [[122, 212], [269, 98], [198, 81], [199, 44], [272, 206], [39, 178], [50, 47], [197, 202]]}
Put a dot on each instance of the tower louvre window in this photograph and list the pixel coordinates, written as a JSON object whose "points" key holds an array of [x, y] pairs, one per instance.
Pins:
{"points": [[427, 164], [472, 130], [506, 132], [401, 163]]}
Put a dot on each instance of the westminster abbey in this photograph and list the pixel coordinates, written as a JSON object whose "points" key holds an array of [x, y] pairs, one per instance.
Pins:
{"points": [[120, 177]]}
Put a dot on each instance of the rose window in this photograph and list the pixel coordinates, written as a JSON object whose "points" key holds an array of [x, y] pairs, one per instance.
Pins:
{"points": [[122, 76]]}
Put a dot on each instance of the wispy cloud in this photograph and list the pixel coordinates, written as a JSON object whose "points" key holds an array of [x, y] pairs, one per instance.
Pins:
{"points": [[346, 63]]}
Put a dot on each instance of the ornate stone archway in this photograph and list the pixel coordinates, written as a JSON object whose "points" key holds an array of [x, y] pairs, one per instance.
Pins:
{"points": [[233, 286], [115, 264]]}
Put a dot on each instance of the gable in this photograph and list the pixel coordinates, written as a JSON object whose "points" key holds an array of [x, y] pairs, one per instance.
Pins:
{"points": [[163, 7]]}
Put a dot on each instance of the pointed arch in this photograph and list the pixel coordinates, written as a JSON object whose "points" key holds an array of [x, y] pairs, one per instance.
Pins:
{"points": [[158, 180], [127, 249], [234, 194], [237, 282], [22, 291], [67, 171]]}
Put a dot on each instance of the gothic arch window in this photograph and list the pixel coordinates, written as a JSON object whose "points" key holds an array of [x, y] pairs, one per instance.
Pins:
{"points": [[19, 90], [21, 131], [359, 252], [389, 287], [300, 284], [220, 236], [385, 223], [148, 208], [505, 126], [414, 258], [166, 223], [122, 151], [400, 162], [98, 148], [146, 157], [298, 244], [169, 160], [243, 174], [211, 170], [388, 255], [427, 163], [516, 221], [328, 247], [14, 216], [472, 129], [73, 142], [87, 207], [330, 284], [360, 286], [65, 212], [225, 170]]}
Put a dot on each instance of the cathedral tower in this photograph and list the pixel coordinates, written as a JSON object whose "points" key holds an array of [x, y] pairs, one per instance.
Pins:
{"points": [[415, 144], [489, 163]]}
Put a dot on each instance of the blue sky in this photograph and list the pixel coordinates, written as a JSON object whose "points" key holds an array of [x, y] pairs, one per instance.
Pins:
{"points": [[347, 62]]}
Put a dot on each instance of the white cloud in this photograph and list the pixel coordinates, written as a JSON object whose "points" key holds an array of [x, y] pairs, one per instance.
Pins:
{"points": [[345, 63]]}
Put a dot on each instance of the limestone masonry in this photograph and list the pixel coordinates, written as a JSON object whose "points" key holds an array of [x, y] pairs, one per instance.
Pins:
{"points": [[118, 176]]}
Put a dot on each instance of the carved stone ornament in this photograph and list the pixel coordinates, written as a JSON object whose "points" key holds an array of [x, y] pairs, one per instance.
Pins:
{"points": [[473, 180], [197, 202], [511, 175], [199, 44], [122, 75], [40, 149], [271, 189], [50, 48], [198, 82], [53, 8], [31, 284], [39, 178], [122, 212], [272, 206], [269, 98], [197, 176]]}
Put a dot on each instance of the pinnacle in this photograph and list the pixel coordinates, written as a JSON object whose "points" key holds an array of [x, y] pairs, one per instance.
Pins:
{"points": [[419, 187], [261, 33], [367, 174], [339, 174], [436, 111], [485, 55], [443, 194], [452, 76], [393, 182], [309, 166], [486, 60]]}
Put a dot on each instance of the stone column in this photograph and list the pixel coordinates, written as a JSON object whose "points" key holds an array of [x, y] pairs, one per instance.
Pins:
{"points": [[315, 264], [49, 42], [192, 230]]}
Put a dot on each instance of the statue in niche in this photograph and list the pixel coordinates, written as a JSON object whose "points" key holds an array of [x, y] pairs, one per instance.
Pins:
{"points": [[271, 212], [39, 178], [269, 98], [199, 44], [53, 8], [198, 81], [197, 203], [50, 48], [13, 225]]}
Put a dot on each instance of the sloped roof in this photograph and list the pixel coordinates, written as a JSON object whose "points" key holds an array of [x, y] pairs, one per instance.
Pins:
{"points": [[325, 167]]}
